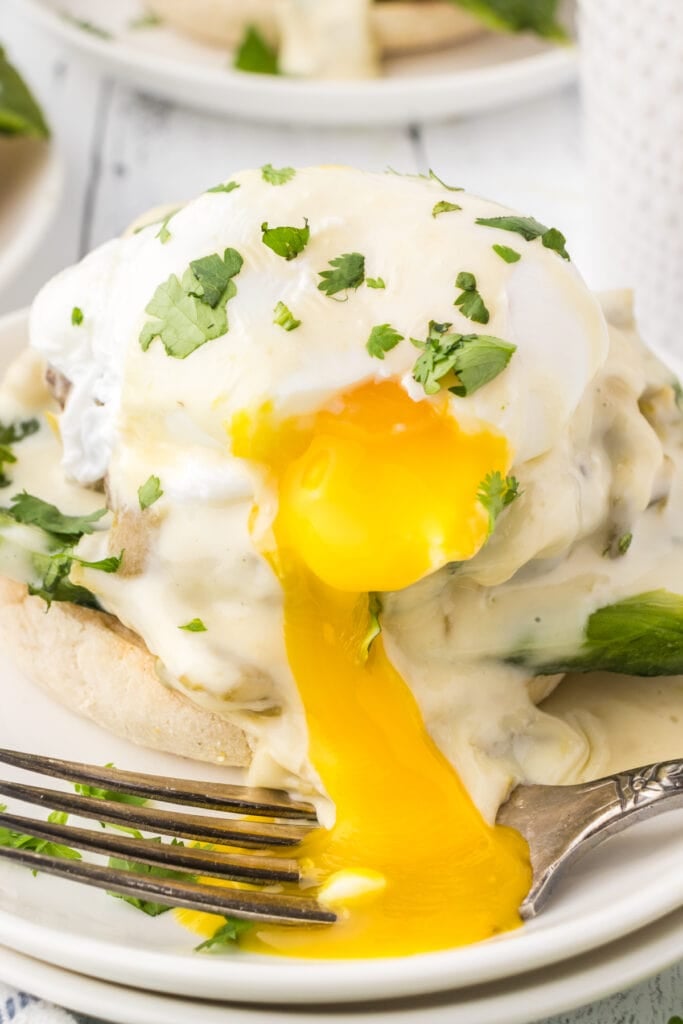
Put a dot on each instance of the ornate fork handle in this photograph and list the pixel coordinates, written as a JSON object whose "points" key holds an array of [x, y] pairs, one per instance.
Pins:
{"points": [[561, 823]]}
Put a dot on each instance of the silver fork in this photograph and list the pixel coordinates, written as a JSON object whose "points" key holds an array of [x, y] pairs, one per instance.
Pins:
{"points": [[560, 823], [266, 838]]}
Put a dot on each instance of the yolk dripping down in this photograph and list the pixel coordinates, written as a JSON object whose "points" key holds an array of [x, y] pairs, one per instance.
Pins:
{"points": [[372, 495]]}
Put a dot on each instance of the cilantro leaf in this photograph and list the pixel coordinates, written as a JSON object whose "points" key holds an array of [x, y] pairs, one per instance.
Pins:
{"points": [[32, 511], [496, 493], [507, 254], [435, 177], [97, 793], [285, 318], [287, 242], [462, 362], [530, 229], [20, 841], [6, 456], [375, 282], [470, 301], [348, 272], [374, 625], [214, 274], [228, 934], [163, 234], [149, 492], [192, 311], [148, 907], [76, 316], [56, 585], [19, 112], [110, 564], [17, 431], [538, 16], [227, 186], [382, 339], [444, 207], [277, 177], [194, 626], [255, 54]]}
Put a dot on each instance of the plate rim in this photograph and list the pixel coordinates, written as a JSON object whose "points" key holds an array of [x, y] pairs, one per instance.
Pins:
{"points": [[557, 64]]}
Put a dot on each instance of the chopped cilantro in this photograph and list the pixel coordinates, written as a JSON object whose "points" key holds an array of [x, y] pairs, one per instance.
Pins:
{"points": [[461, 362], [374, 625], [56, 585], [348, 272], [507, 254], [624, 543], [435, 177], [382, 339], [531, 229], [147, 20], [192, 311], [194, 626], [375, 282], [277, 177], [470, 301], [255, 54], [32, 511], [19, 112], [76, 316], [83, 789], [17, 431], [163, 234], [6, 456], [87, 26], [444, 207], [228, 934], [148, 907], [19, 841], [110, 564], [285, 318], [496, 493], [149, 492], [227, 186], [287, 242]]}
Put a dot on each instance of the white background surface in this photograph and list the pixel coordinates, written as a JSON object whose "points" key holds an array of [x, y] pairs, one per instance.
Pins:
{"points": [[126, 152]]}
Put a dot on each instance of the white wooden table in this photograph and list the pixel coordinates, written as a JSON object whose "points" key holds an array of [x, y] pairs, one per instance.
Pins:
{"points": [[126, 152]]}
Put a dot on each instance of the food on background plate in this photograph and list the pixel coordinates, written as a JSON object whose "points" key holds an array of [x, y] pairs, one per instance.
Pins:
{"points": [[20, 115], [334, 475], [346, 38]]}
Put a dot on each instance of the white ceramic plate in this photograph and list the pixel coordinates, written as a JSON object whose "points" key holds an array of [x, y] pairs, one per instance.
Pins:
{"points": [[577, 982], [637, 876], [31, 173], [493, 70]]}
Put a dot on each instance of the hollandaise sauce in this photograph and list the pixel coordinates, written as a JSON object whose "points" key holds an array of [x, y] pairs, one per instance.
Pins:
{"points": [[373, 493]]}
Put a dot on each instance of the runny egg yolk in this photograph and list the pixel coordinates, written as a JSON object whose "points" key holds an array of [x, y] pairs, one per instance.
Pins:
{"points": [[374, 493]]}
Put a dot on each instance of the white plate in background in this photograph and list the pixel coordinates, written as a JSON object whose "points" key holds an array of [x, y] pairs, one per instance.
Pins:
{"points": [[31, 181], [490, 71]]}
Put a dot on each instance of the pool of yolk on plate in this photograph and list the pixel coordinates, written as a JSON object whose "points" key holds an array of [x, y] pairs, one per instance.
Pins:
{"points": [[374, 493]]}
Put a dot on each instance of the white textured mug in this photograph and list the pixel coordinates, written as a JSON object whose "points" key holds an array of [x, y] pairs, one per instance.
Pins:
{"points": [[632, 83]]}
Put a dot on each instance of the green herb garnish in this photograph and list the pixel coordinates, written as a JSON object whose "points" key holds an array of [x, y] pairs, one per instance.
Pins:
{"points": [[277, 177], [76, 316], [470, 301], [147, 20], [285, 318], [531, 229], [255, 54], [374, 625], [224, 186], [20, 841], [149, 492], [444, 207], [19, 112], [348, 272], [192, 311], [153, 871], [462, 362], [32, 511], [10, 434], [228, 935], [194, 626], [382, 339], [97, 793], [87, 26], [507, 254], [496, 493], [287, 242], [539, 16], [375, 282]]}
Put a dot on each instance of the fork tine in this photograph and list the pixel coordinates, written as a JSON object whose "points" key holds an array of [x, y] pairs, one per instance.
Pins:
{"points": [[203, 828], [214, 899], [216, 796], [206, 862]]}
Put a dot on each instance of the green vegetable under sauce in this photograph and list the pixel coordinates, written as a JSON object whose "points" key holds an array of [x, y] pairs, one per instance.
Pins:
{"points": [[255, 54], [194, 626], [638, 636], [470, 301], [191, 312], [19, 111], [530, 229], [461, 362], [348, 271], [285, 241]]}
